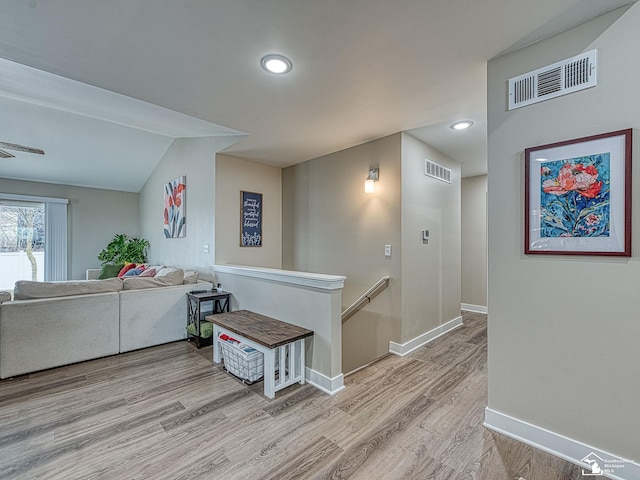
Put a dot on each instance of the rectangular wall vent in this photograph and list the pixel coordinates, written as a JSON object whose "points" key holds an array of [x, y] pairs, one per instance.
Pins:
{"points": [[561, 78], [434, 170]]}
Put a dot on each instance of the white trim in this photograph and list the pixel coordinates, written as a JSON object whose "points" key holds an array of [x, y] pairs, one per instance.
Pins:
{"points": [[403, 349], [315, 280], [566, 448], [324, 383], [468, 307], [29, 198]]}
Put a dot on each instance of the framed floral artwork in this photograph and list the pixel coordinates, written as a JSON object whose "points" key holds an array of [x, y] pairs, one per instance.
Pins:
{"points": [[578, 196], [175, 200]]}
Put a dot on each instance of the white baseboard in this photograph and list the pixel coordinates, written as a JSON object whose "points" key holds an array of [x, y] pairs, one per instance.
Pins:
{"points": [[573, 451], [468, 307], [324, 383], [403, 349]]}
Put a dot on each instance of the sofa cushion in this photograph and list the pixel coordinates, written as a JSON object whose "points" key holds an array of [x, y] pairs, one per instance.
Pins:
{"points": [[173, 278], [190, 277], [160, 272], [26, 290], [5, 297], [110, 270]]}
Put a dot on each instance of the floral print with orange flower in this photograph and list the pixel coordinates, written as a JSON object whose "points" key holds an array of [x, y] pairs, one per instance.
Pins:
{"points": [[174, 211], [574, 197]]}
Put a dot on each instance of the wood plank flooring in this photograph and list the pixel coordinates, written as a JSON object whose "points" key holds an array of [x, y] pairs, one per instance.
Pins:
{"points": [[167, 413]]}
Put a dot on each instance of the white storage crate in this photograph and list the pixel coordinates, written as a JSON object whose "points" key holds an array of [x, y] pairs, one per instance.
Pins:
{"points": [[248, 366]]}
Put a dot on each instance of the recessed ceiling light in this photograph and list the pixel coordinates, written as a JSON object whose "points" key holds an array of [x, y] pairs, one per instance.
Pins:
{"points": [[463, 125], [276, 63]]}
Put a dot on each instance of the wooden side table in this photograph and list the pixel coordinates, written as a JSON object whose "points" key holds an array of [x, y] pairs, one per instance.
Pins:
{"points": [[220, 304], [282, 344]]}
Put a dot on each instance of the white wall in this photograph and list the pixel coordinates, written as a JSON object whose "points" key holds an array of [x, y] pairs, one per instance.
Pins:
{"points": [[94, 217], [563, 331], [234, 174], [430, 271], [474, 243], [309, 301], [194, 158]]}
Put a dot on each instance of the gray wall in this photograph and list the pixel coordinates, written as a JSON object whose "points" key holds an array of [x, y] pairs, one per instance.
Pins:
{"points": [[563, 331], [330, 225], [94, 217], [430, 271], [194, 158], [474, 242], [234, 174]]}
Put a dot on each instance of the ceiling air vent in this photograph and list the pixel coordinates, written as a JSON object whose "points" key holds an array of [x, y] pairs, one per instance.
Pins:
{"points": [[434, 170], [567, 76]]}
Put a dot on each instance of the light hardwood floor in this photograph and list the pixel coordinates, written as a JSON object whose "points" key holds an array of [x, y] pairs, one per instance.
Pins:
{"points": [[167, 413]]}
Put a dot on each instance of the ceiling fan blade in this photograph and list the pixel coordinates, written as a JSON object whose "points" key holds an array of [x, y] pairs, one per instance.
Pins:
{"points": [[21, 148], [4, 154]]}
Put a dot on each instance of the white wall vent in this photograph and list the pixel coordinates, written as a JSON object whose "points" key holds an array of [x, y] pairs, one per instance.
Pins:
{"points": [[561, 78], [434, 170]]}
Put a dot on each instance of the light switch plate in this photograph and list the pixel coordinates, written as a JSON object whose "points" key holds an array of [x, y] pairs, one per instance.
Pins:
{"points": [[387, 250]]}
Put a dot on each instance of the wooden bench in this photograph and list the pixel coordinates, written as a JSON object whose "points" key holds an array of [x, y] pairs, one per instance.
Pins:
{"points": [[273, 338]]}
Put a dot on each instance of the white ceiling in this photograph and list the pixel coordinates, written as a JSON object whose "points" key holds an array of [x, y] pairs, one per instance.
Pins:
{"points": [[363, 69]]}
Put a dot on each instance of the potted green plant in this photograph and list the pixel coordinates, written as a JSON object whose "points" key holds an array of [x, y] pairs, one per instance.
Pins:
{"points": [[122, 249]]}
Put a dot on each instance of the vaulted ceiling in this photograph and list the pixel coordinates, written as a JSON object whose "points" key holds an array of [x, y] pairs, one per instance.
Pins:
{"points": [[362, 69]]}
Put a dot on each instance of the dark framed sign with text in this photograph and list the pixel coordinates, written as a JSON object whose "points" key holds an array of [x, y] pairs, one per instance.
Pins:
{"points": [[250, 219]]}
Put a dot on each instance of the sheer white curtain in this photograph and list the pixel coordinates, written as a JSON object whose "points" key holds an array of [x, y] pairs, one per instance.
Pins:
{"points": [[55, 247]]}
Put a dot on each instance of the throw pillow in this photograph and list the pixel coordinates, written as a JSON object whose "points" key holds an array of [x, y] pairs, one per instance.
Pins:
{"points": [[125, 269], [149, 272], [165, 271], [110, 270], [134, 272], [135, 283], [190, 277], [174, 277]]}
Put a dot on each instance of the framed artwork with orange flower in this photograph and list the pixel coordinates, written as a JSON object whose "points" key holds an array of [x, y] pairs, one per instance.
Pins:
{"points": [[578, 196], [175, 199]]}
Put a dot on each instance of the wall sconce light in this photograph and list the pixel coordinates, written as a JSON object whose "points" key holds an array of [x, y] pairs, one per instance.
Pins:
{"points": [[373, 177]]}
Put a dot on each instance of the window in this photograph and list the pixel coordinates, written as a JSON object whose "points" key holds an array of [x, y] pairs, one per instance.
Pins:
{"points": [[33, 239]]}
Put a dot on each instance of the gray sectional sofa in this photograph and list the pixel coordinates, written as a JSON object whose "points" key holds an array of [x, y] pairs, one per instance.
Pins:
{"points": [[49, 324]]}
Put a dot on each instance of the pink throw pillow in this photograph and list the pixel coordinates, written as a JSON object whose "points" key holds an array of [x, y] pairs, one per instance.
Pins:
{"points": [[149, 272]]}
